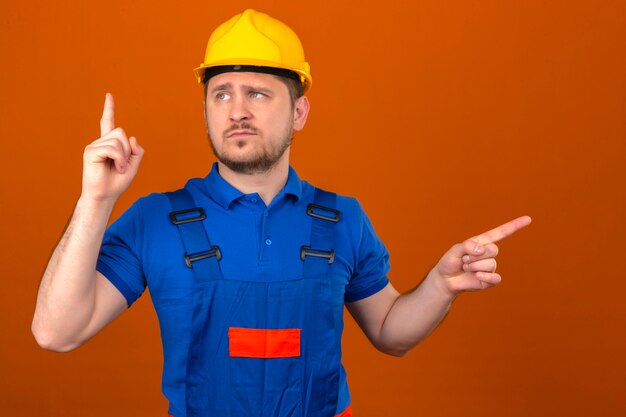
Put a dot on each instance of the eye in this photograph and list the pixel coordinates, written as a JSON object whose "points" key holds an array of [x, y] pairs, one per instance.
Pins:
{"points": [[222, 96], [257, 94]]}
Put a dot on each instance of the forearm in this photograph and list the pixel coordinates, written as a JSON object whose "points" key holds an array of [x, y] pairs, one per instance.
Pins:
{"points": [[414, 315], [395, 323], [67, 293]]}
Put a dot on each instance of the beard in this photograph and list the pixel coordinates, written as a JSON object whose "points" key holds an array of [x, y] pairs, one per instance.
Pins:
{"points": [[262, 160]]}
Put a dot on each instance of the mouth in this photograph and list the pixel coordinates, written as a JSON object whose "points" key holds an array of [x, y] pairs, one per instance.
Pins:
{"points": [[240, 133]]}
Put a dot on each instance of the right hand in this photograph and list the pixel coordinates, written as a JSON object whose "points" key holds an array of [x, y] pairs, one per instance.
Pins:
{"points": [[471, 265], [110, 162]]}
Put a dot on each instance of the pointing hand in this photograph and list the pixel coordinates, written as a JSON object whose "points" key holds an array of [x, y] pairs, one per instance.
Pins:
{"points": [[110, 163], [471, 265]]}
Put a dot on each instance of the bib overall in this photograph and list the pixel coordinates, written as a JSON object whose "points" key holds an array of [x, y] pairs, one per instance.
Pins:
{"points": [[263, 349]]}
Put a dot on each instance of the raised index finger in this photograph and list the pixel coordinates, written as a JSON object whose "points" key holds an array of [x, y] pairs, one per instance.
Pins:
{"points": [[502, 231], [107, 123]]}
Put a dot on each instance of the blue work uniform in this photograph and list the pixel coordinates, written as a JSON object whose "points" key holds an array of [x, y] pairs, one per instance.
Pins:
{"points": [[259, 333]]}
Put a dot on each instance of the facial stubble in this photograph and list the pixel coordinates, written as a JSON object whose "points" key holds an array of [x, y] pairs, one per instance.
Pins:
{"points": [[263, 161]]}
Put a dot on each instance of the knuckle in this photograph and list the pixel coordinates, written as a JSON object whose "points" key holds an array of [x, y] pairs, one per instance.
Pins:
{"points": [[119, 132], [469, 246], [91, 146], [458, 247]]}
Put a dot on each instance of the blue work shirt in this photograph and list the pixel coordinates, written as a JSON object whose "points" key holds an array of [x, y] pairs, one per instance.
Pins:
{"points": [[258, 243]]}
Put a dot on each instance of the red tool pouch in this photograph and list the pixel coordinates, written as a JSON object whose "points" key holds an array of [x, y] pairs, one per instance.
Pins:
{"points": [[264, 343]]}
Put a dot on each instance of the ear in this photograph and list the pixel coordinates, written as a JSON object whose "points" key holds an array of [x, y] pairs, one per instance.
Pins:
{"points": [[301, 109]]}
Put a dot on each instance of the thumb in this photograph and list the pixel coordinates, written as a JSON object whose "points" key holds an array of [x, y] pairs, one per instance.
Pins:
{"points": [[135, 148], [469, 247], [136, 151]]}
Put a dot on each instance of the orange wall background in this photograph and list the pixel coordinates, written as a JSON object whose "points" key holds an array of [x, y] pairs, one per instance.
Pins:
{"points": [[445, 118]]}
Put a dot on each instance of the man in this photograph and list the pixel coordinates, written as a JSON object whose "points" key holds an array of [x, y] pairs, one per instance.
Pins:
{"points": [[249, 268]]}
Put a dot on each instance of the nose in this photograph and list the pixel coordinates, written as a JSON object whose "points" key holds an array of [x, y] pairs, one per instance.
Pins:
{"points": [[239, 110]]}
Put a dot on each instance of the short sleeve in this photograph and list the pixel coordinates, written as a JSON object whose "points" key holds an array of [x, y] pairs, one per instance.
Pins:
{"points": [[119, 259], [372, 264]]}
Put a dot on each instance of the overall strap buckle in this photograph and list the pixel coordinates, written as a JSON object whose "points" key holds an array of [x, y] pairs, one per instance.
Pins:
{"points": [[179, 216], [324, 213], [215, 251], [318, 253]]}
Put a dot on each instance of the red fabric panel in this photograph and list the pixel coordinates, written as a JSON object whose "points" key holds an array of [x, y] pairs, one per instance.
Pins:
{"points": [[264, 343], [346, 413]]}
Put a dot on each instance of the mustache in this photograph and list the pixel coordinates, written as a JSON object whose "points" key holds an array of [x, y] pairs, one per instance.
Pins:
{"points": [[241, 126]]}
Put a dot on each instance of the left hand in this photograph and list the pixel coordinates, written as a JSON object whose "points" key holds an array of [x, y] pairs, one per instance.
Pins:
{"points": [[471, 265]]}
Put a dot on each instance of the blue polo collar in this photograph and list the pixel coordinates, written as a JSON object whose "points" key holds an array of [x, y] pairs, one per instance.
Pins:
{"points": [[224, 194]]}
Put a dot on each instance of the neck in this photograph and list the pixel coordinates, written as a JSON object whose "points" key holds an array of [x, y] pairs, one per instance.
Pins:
{"points": [[267, 184]]}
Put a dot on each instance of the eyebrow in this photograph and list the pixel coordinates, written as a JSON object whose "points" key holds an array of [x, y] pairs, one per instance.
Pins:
{"points": [[221, 87], [229, 86]]}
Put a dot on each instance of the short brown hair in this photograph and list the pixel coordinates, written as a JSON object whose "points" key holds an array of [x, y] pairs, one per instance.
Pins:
{"points": [[295, 88]]}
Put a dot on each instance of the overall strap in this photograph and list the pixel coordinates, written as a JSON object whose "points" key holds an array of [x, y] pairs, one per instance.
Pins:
{"points": [[323, 218], [318, 257], [202, 257]]}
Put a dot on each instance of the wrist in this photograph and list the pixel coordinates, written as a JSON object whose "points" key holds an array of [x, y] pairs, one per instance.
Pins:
{"points": [[94, 207], [440, 286]]}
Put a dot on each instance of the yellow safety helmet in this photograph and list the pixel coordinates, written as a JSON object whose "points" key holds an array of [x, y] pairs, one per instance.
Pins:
{"points": [[254, 41]]}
